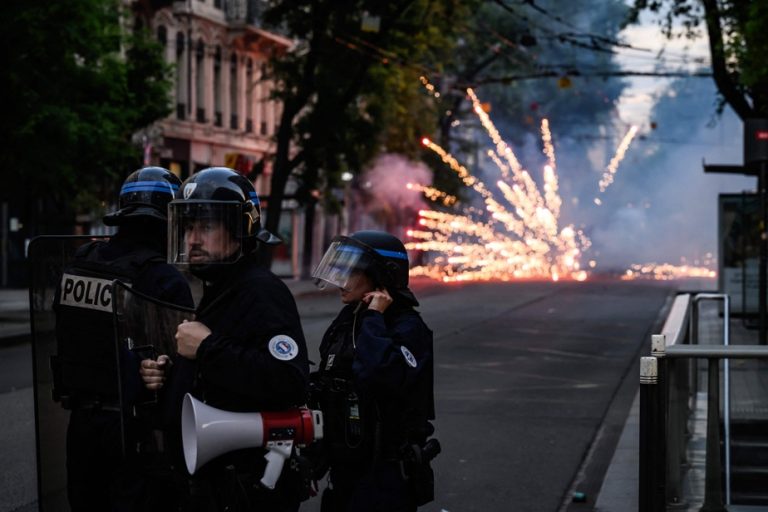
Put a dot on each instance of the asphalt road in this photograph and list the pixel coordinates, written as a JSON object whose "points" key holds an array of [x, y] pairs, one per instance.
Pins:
{"points": [[528, 385]]}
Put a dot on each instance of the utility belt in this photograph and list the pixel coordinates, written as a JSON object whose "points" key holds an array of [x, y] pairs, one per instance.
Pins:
{"points": [[326, 384]]}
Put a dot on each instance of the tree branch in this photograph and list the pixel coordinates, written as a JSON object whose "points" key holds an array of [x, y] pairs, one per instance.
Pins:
{"points": [[725, 84]]}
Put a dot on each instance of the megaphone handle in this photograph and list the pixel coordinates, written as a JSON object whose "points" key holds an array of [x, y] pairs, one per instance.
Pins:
{"points": [[276, 454]]}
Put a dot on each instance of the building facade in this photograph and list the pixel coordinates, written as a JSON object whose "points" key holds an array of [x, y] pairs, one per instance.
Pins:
{"points": [[223, 113]]}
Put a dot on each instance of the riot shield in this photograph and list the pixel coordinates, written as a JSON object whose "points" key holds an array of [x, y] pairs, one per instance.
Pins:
{"points": [[47, 256], [145, 328]]}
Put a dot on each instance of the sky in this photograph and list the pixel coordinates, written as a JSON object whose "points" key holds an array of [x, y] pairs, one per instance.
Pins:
{"points": [[667, 211], [661, 207]]}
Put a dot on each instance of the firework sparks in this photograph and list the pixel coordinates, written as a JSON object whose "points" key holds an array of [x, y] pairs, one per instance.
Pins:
{"points": [[433, 194], [613, 166], [667, 272], [518, 238], [546, 137]]}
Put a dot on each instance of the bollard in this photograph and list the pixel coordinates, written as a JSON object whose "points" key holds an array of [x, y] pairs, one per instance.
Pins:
{"points": [[713, 494], [648, 443]]}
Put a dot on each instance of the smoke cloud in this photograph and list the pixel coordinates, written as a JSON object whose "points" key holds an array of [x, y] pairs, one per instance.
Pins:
{"points": [[388, 203], [663, 207]]}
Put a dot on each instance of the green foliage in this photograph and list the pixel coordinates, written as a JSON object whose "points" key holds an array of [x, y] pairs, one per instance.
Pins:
{"points": [[751, 48], [738, 34], [350, 94], [77, 86]]}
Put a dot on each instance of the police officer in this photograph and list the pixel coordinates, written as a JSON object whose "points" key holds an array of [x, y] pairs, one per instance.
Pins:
{"points": [[374, 384], [99, 476], [229, 355]]}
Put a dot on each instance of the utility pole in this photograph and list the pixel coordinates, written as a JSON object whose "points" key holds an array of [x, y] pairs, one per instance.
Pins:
{"points": [[761, 276]]}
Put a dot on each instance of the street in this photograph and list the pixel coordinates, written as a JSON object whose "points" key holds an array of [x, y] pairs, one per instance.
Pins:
{"points": [[526, 374]]}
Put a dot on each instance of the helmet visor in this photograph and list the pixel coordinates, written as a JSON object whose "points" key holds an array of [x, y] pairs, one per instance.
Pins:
{"points": [[343, 259], [204, 232]]}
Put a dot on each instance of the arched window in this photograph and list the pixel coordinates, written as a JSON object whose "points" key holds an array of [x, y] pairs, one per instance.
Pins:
{"points": [[217, 87], [233, 90], [264, 102], [162, 37], [200, 82], [181, 77], [249, 85]]}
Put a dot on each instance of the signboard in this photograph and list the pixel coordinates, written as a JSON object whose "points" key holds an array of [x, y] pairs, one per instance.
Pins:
{"points": [[739, 250], [755, 141]]}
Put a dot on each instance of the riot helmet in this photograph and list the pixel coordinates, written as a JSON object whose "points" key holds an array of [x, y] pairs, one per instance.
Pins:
{"points": [[145, 194], [215, 218], [379, 255]]}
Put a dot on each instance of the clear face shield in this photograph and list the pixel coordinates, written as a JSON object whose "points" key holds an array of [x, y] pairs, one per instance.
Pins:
{"points": [[204, 232], [344, 258]]}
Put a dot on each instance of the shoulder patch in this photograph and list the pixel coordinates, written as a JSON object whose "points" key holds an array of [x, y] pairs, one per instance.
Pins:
{"points": [[283, 347], [408, 357]]}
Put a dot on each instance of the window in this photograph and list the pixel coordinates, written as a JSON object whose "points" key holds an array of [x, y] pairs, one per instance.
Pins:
{"points": [[233, 90], [162, 37], [217, 87], [200, 82], [181, 77], [249, 85]]}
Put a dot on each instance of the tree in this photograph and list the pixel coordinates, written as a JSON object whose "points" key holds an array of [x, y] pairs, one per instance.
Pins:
{"points": [[347, 88], [738, 41], [78, 84]]}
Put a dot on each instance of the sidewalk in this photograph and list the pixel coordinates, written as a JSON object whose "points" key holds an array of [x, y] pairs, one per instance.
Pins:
{"points": [[14, 315], [619, 491]]}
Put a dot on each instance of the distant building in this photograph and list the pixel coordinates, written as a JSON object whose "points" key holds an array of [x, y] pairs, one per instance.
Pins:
{"points": [[223, 113]]}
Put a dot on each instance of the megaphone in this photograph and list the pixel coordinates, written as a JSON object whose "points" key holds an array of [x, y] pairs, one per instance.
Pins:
{"points": [[208, 432]]}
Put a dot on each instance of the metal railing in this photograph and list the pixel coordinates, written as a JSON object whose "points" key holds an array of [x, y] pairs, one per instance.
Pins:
{"points": [[668, 388]]}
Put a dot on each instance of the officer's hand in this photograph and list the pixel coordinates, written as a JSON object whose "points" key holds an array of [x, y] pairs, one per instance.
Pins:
{"points": [[378, 300], [189, 335], [153, 372]]}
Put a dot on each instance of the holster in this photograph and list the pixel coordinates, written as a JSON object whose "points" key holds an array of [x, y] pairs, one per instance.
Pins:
{"points": [[417, 471]]}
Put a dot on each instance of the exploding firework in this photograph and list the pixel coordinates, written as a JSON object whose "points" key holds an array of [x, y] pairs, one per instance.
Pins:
{"points": [[516, 236]]}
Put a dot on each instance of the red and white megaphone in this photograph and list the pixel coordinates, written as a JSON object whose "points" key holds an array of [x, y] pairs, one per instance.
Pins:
{"points": [[208, 432]]}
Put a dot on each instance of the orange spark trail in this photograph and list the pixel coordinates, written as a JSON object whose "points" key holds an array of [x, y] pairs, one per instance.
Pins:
{"points": [[613, 166]]}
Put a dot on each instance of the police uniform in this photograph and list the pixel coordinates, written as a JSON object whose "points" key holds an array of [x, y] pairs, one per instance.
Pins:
{"points": [[376, 393], [238, 367], [87, 364], [255, 358]]}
